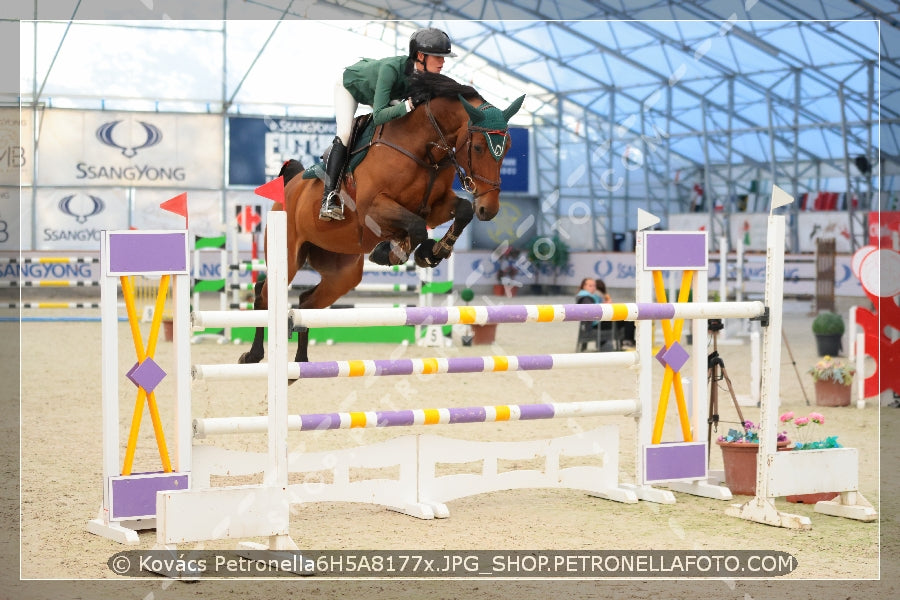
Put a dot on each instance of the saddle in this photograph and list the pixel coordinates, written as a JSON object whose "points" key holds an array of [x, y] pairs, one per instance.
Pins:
{"points": [[360, 138]]}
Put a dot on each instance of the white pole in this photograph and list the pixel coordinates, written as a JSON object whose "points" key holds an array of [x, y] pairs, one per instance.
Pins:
{"points": [[181, 340], [755, 368], [851, 333], [860, 345], [771, 352], [109, 369]]}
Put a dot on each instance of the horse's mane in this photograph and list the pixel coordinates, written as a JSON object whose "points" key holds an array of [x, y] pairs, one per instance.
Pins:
{"points": [[436, 85]]}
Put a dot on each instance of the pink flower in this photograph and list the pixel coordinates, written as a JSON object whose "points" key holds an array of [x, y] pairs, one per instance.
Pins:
{"points": [[801, 421], [786, 417], [817, 418]]}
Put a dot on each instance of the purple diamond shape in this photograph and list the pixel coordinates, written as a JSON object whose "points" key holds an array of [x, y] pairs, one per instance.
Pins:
{"points": [[660, 356], [147, 374], [676, 356]]}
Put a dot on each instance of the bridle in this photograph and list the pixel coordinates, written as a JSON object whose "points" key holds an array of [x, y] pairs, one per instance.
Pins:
{"points": [[435, 166]]}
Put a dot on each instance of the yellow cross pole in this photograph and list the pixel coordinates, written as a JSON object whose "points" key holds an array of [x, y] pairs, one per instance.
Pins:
{"points": [[128, 294], [671, 334]]}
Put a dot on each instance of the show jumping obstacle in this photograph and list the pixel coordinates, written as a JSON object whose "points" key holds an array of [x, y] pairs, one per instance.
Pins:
{"points": [[129, 499], [263, 510]]}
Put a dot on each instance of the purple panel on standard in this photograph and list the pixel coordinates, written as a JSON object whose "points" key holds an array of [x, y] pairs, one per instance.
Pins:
{"points": [[535, 411], [661, 356], [583, 312], [132, 253], [313, 370], [474, 414], [676, 356], [134, 496], [669, 462], [666, 250], [426, 315], [147, 374]]}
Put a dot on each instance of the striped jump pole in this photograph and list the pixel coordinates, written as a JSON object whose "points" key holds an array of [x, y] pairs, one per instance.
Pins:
{"points": [[52, 305], [420, 366], [50, 260], [424, 416], [479, 315], [51, 283]]}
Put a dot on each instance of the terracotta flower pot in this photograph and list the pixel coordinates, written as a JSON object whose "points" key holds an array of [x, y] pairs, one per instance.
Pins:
{"points": [[484, 334], [831, 393], [739, 460], [812, 498]]}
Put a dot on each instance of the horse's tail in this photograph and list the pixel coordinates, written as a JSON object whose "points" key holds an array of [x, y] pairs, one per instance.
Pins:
{"points": [[289, 169]]}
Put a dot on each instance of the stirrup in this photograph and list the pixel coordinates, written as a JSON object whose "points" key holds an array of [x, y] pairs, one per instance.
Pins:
{"points": [[332, 208]]}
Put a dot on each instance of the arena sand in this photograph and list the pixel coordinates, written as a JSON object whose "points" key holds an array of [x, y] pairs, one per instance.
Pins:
{"points": [[61, 475]]}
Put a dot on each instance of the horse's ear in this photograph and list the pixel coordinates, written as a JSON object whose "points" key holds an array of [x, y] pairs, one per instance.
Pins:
{"points": [[513, 108], [476, 115]]}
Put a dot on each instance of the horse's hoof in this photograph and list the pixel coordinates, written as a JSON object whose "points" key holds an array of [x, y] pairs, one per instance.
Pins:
{"points": [[246, 359], [381, 254], [425, 254]]}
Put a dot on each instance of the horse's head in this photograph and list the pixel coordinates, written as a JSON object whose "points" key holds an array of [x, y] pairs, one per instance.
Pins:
{"points": [[481, 146]]}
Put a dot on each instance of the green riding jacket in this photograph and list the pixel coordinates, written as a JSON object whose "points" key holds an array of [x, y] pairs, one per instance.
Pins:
{"points": [[376, 83]]}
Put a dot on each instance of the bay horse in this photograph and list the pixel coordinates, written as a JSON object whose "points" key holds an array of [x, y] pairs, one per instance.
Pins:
{"points": [[403, 185]]}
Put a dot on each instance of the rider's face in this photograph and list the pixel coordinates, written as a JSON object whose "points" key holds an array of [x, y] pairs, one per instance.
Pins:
{"points": [[433, 64]]}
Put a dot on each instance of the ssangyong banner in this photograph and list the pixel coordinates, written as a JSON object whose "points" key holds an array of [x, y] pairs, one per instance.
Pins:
{"points": [[258, 146], [72, 219], [100, 148], [16, 143], [10, 232]]}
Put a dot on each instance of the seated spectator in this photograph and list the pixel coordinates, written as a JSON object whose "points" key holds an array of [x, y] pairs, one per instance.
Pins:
{"points": [[594, 291]]}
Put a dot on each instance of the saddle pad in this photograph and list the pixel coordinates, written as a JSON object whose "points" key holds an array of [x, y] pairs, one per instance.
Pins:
{"points": [[360, 148]]}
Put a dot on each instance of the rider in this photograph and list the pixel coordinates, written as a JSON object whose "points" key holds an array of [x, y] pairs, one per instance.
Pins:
{"points": [[381, 84]]}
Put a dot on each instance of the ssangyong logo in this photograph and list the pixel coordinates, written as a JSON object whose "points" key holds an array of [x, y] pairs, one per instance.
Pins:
{"points": [[81, 206], [110, 134], [105, 135]]}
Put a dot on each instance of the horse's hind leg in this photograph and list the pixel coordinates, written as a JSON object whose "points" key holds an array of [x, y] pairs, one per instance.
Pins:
{"points": [[257, 351], [340, 274]]}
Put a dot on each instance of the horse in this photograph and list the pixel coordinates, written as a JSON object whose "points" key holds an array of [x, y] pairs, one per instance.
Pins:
{"points": [[403, 185]]}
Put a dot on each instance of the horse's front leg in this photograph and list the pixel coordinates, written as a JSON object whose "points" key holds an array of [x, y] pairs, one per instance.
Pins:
{"points": [[430, 253], [462, 216], [401, 229]]}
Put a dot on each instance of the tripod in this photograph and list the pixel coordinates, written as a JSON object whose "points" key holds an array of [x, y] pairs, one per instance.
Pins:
{"points": [[715, 372]]}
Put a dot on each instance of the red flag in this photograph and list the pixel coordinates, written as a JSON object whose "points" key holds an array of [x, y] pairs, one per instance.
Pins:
{"points": [[274, 190], [177, 205]]}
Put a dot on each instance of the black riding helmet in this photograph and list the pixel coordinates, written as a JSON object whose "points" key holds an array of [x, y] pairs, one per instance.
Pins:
{"points": [[429, 41]]}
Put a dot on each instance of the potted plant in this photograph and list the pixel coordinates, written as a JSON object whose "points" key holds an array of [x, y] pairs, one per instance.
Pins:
{"points": [[828, 328], [739, 450], [507, 270], [833, 380], [805, 439], [549, 256]]}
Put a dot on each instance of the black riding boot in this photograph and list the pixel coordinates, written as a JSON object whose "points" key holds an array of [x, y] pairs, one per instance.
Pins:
{"points": [[332, 208]]}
